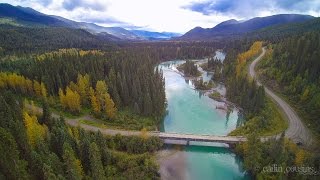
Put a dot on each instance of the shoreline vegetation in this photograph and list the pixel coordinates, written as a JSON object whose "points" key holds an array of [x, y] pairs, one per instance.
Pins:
{"points": [[305, 96], [267, 120], [189, 69]]}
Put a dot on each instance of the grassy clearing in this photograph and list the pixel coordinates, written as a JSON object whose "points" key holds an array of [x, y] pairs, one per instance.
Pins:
{"points": [[93, 123], [126, 119], [271, 121]]}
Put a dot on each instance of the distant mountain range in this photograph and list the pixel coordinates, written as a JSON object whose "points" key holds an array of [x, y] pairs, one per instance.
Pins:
{"points": [[28, 17], [155, 35], [233, 27]]}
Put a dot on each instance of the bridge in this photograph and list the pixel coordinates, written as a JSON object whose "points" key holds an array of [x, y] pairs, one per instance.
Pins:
{"points": [[231, 140]]}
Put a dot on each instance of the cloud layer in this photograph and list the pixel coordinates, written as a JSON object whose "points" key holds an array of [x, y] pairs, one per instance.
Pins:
{"points": [[167, 15], [251, 8]]}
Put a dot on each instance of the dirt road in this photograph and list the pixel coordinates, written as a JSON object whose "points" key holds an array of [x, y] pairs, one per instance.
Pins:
{"points": [[296, 131]]}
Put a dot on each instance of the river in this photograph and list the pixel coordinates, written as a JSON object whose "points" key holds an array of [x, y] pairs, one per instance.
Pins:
{"points": [[189, 111]]}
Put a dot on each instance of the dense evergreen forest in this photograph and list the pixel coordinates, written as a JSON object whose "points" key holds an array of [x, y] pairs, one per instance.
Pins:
{"points": [[42, 147], [292, 68], [25, 39], [261, 157], [74, 80], [261, 115], [241, 90], [189, 69]]}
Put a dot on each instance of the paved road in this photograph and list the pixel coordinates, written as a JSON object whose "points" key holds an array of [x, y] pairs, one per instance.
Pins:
{"points": [[296, 131]]}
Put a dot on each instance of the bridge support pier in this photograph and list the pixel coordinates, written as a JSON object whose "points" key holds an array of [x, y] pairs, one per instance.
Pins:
{"points": [[188, 143]]}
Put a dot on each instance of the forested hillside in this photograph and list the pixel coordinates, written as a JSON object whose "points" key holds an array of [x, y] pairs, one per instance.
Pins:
{"points": [[261, 117], [292, 68], [36, 146], [82, 76], [25, 39]]}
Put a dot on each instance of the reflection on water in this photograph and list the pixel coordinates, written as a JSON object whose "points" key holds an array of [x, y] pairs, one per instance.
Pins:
{"points": [[190, 111]]}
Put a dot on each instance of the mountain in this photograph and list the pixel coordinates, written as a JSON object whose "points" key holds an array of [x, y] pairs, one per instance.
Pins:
{"points": [[155, 35], [118, 32], [28, 17], [279, 32], [233, 27], [29, 39]]}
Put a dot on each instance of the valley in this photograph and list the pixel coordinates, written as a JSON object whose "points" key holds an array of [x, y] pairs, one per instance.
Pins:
{"points": [[88, 98]]}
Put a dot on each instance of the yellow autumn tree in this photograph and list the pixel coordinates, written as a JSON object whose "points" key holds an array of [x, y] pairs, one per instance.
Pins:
{"points": [[35, 131], [73, 100], [110, 107], [300, 157], [101, 89], [94, 102], [144, 133], [62, 98], [244, 57]]}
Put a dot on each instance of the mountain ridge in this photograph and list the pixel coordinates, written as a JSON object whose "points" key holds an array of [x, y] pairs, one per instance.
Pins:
{"points": [[234, 27]]}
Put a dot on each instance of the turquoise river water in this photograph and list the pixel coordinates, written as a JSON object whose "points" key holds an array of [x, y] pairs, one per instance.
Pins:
{"points": [[189, 111]]}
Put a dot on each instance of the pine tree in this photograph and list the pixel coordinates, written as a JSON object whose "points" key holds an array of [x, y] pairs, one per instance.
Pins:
{"points": [[62, 98], [73, 168], [96, 167], [11, 164], [46, 114]]}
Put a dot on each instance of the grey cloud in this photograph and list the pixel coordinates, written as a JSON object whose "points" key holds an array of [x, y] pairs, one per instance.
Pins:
{"points": [[245, 8], [42, 2], [73, 4]]}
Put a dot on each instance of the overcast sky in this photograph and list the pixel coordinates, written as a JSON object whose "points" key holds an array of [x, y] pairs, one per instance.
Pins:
{"points": [[167, 15]]}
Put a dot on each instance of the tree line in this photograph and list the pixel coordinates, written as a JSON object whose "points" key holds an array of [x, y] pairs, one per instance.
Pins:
{"points": [[241, 89], [292, 67], [130, 78]]}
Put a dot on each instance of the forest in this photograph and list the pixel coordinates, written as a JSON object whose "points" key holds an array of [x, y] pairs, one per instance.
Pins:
{"points": [[261, 157], [241, 89], [42, 147], [119, 84], [189, 69], [292, 68], [91, 79], [120, 87]]}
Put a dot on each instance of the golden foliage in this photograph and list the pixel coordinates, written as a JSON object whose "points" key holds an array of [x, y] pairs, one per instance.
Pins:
{"points": [[35, 131], [94, 102], [144, 133], [110, 106], [24, 85], [70, 100], [70, 52], [244, 57]]}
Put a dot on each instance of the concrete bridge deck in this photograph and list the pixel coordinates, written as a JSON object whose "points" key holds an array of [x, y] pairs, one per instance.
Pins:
{"points": [[200, 138]]}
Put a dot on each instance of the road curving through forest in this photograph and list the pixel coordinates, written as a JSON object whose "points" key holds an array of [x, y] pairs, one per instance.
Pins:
{"points": [[296, 131]]}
